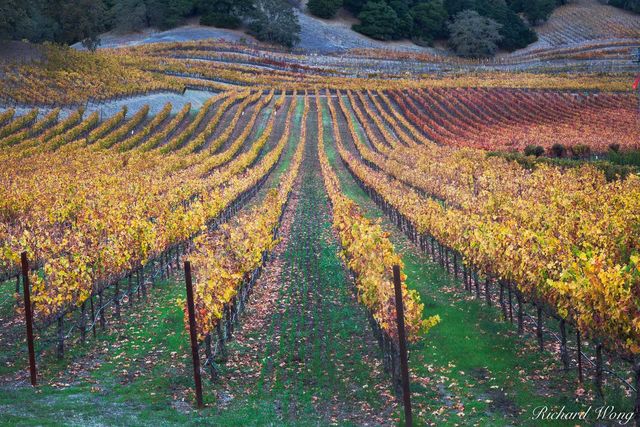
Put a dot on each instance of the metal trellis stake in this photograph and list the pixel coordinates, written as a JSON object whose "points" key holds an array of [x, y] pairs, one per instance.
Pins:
{"points": [[192, 334], [28, 317], [404, 363]]}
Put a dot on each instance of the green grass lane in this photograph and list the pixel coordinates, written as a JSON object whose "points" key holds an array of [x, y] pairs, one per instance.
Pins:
{"points": [[313, 360], [319, 364], [137, 372], [472, 368], [125, 377]]}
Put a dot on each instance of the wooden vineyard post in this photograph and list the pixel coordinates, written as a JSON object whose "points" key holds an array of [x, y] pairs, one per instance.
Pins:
{"points": [[83, 323], [599, 372], [578, 343], [130, 288], [455, 265], [465, 279], [487, 292], [60, 349], [539, 328], [564, 356], [209, 354], [404, 362], [103, 322], [510, 305], [28, 317], [142, 283], [476, 281], [503, 305], [116, 300], [192, 333], [221, 340], [93, 318], [521, 315]]}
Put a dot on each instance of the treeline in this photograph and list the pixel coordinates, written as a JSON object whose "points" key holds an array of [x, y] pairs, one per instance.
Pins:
{"points": [[60, 21], [632, 5], [71, 21], [498, 22], [272, 21]]}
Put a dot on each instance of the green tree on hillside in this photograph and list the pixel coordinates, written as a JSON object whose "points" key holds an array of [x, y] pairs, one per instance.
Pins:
{"points": [[354, 6], [429, 20], [81, 20], [473, 35], [129, 15], [539, 10], [378, 20], [632, 5], [535, 10], [274, 21], [223, 13], [515, 33], [455, 6], [405, 20], [132, 15], [324, 8], [60, 21], [170, 13], [10, 15]]}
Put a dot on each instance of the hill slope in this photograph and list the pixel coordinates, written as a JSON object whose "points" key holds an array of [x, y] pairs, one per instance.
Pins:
{"points": [[583, 30]]}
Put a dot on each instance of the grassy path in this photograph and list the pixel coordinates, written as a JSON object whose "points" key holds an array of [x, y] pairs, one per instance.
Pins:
{"points": [[311, 359], [304, 353], [472, 369], [305, 358], [120, 379], [137, 372]]}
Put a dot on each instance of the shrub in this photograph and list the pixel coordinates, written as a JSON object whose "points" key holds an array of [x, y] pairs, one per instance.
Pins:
{"points": [[455, 6], [627, 157], [324, 8], [429, 20], [534, 150], [614, 147], [515, 33], [612, 171], [274, 21], [539, 10], [221, 20], [378, 20], [223, 13], [354, 6], [534, 10], [405, 20], [632, 5], [580, 151], [558, 150], [472, 35]]}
